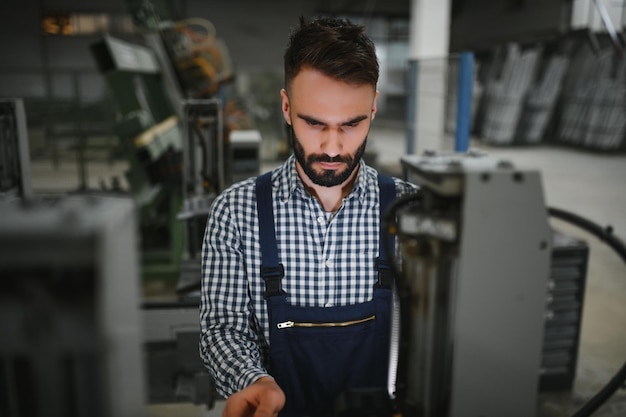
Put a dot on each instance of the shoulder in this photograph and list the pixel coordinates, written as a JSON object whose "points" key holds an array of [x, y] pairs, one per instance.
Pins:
{"points": [[241, 196], [239, 191], [402, 187], [236, 201]]}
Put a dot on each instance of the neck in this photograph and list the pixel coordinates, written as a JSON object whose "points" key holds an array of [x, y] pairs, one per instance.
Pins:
{"points": [[329, 197]]}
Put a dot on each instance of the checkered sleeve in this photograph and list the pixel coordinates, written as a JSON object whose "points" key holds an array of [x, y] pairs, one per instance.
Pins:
{"points": [[229, 347]]}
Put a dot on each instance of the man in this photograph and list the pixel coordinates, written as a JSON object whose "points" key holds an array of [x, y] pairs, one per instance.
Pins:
{"points": [[295, 310]]}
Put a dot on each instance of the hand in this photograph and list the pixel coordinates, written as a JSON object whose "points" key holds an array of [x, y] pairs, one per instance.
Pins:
{"points": [[263, 398]]}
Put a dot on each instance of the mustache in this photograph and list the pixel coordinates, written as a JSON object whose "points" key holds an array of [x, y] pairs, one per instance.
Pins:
{"points": [[326, 158]]}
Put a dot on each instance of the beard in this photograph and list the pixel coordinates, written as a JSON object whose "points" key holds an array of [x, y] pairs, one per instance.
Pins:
{"points": [[330, 177]]}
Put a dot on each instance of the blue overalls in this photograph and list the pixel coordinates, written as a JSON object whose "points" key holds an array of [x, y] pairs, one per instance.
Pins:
{"points": [[317, 353]]}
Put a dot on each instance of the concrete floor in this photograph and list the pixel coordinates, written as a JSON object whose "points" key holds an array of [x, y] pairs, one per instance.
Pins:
{"points": [[586, 183]]}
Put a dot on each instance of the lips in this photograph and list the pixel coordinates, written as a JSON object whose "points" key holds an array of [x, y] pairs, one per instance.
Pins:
{"points": [[331, 166]]}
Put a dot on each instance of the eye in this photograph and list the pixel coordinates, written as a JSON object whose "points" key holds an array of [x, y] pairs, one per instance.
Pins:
{"points": [[351, 125], [314, 124]]}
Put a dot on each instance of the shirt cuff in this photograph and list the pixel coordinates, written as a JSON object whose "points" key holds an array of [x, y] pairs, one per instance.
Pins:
{"points": [[249, 376]]}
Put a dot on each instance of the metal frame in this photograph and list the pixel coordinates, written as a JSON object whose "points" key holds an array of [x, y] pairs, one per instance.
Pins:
{"points": [[14, 146]]}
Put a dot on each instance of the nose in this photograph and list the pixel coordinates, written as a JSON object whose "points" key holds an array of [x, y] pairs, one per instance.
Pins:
{"points": [[331, 143]]}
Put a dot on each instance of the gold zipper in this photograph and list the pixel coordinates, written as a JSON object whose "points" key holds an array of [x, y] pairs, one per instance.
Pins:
{"points": [[289, 324]]}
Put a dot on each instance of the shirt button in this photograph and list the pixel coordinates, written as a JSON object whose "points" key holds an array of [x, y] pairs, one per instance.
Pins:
{"points": [[321, 220], [329, 263], [328, 305]]}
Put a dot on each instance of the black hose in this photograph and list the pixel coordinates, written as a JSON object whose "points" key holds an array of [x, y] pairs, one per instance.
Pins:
{"points": [[389, 223], [607, 236]]}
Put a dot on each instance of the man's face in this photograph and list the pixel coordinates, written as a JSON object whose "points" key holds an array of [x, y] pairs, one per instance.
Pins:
{"points": [[329, 122]]}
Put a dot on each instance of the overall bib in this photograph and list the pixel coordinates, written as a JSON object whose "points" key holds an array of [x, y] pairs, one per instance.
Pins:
{"points": [[318, 353]]}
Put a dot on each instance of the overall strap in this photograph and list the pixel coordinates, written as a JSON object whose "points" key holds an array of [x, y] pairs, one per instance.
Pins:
{"points": [[271, 270], [387, 189]]}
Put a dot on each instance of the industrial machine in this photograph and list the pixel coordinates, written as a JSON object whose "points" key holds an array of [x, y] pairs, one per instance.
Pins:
{"points": [[475, 253], [171, 330], [78, 338], [69, 300], [149, 136], [69, 294], [488, 296]]}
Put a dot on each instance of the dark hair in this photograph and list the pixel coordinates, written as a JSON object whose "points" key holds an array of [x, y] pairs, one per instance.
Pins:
{"points": [[335, 47]]}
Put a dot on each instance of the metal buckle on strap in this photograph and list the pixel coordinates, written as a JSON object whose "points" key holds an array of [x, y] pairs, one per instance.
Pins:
{"points": [[272, 271], [272, 275], [382, 265], [385, 274], [385, 279]]}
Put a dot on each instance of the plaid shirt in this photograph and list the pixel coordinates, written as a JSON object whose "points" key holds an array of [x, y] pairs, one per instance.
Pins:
{"points": [[326, 263]]}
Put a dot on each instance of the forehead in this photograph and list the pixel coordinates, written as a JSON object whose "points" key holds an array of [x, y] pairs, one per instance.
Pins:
{"points": [[316, 94]]}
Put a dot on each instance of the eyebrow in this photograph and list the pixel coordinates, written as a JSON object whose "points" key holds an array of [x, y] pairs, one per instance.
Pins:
{"points": [[348, 122]]}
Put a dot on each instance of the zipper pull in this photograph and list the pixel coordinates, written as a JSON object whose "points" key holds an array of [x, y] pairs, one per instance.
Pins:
{"points": [[285, 324]]}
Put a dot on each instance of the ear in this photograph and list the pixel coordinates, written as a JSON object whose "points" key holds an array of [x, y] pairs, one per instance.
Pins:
{"points": [[374, 105], [285, 105]]}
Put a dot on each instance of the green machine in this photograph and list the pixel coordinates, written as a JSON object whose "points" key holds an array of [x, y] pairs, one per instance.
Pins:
{"points": [[169, 98], [150, 138]]}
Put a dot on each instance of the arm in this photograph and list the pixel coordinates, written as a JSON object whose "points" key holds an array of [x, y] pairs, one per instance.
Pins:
{"points": [[228, 345]]}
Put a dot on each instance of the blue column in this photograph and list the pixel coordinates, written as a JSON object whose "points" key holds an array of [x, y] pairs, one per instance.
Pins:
{"points": [[464, 103], [411, 105]]}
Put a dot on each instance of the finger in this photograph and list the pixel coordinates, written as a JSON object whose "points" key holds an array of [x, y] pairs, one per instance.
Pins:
{"points": [[271, 403], [266, 412], [237, 408]]}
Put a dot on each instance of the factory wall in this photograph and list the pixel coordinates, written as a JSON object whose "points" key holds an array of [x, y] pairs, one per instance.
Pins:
{"points": [[36, 65], [46, 68], [255, 31]]}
